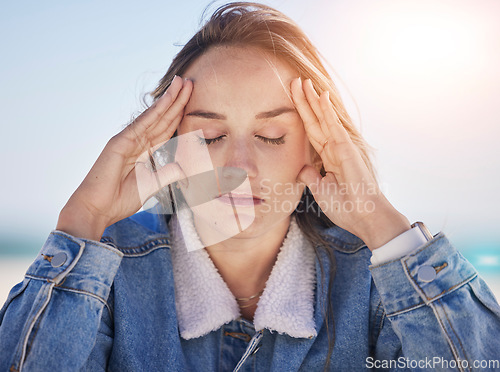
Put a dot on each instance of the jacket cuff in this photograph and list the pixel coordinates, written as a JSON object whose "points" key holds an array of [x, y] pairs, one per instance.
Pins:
{"points": [[398, 247], [427, 274], [76, 264]]}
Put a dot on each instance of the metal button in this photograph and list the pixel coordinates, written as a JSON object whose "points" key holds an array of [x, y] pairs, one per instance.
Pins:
{"points": [[426, 273], [59, 259]]}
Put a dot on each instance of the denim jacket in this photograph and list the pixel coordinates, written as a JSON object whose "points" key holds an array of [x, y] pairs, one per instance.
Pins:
{"points": [[110, 305]]}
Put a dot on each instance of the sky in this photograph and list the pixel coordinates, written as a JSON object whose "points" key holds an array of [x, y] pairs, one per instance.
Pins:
{"points": [[420, 79]]}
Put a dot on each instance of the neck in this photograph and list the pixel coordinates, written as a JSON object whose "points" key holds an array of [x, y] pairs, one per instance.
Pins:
{"points": [[245, 262]]}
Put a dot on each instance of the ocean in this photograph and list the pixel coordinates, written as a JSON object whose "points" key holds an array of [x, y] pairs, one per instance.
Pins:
{"points": [[16, 255]]}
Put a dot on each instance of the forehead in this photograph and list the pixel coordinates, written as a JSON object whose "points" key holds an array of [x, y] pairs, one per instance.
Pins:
{"points": [[228, 75]]}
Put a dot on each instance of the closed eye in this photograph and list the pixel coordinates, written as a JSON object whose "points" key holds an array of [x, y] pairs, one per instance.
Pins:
{"points": [[272, 141], [209, 141]]}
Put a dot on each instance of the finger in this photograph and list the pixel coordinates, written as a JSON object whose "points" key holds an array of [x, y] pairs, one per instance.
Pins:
{"points": [[311, 123], [323, 189], [163, 132], [167, 124], [148, 154], [313, 179], [149, 183], [165, 127], [313, 99], [336, 130], [164, 141], [158, 108], [170, 173], [310, 177]]}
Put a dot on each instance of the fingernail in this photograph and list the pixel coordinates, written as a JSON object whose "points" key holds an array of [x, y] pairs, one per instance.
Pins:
{"points": [[173, 79]]}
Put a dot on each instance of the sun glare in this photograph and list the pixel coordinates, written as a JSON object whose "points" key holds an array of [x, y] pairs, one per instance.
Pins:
{"points": [[424, 40]]}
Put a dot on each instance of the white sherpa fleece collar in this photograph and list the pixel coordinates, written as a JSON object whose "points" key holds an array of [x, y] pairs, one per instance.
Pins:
{"points": [[204, 302]]}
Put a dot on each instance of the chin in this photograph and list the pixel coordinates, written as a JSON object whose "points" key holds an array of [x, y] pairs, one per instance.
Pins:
{"points": [[217, 224]]}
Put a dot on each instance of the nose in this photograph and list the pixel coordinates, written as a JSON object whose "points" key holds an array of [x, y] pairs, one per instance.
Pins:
{"points": [[240, 154]]}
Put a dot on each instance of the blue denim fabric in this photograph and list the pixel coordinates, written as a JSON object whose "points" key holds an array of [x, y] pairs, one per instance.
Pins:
{"points": [[110, 306]]}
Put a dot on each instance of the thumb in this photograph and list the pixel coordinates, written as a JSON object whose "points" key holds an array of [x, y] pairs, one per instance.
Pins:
{"points": [[150, 182], [170, 173], [310, 177]]}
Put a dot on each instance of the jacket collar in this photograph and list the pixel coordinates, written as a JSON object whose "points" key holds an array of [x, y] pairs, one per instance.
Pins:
{"points": [[204, 302]]}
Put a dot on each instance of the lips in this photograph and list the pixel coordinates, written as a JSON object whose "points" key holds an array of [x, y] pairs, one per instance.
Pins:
{"points": [[240, 200]]}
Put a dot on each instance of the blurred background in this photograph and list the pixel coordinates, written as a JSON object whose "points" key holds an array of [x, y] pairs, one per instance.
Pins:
{"points": [[420, 78]]}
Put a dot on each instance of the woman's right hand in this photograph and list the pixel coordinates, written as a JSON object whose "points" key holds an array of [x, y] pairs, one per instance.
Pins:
{"points": [[110, 191]]}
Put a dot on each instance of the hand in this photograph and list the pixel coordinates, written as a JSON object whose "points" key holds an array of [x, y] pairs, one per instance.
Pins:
{"points": [[109, 192], [348, 194]]}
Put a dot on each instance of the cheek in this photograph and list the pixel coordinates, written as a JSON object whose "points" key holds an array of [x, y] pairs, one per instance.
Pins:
{"points": [[281, 189], [283, 168]]}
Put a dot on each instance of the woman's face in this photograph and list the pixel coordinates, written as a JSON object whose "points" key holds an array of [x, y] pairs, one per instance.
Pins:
{"points": [[241, 103]]}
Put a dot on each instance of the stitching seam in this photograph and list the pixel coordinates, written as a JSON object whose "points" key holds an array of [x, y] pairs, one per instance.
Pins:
{"points": [[453, 329]]}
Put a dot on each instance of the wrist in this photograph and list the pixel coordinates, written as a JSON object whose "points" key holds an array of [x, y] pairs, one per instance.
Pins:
{"points": [[382, 228], [80, 224]]}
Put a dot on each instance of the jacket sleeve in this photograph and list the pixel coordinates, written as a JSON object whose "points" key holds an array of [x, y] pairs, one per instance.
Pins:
{"points": [[439, 314], [52, 320]]}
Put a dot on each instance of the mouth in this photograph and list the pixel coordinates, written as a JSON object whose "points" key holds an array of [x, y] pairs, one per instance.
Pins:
{"points": [[240, 200]]}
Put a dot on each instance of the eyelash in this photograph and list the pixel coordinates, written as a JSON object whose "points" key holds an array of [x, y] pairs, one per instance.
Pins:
{"points": [[271, 141], [209, 141]]}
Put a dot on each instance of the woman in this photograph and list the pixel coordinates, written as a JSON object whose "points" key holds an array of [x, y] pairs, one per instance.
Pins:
{"points": [[254, 276]]}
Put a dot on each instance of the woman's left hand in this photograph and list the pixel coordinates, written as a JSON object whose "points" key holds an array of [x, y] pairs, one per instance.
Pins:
{"points": [[348, 194]]}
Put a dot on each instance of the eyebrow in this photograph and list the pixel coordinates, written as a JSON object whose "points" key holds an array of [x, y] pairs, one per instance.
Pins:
{"points": [[274, 113], [262, 115]]}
